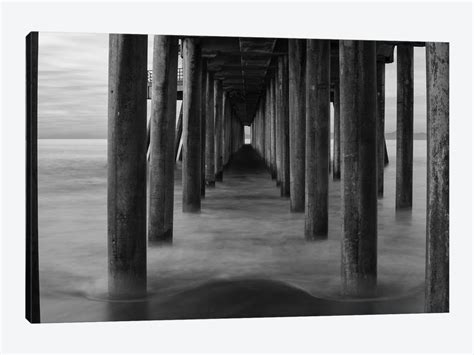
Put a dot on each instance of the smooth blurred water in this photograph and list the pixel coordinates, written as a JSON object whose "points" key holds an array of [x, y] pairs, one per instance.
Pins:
{"points": [[245, 230]]}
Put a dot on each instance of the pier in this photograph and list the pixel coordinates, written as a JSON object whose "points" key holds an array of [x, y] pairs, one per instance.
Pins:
{"points": [[282, 89]]}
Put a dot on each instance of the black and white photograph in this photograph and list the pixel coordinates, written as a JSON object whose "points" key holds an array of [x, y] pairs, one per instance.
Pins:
{"points": [[227, 177], [236, 177]]}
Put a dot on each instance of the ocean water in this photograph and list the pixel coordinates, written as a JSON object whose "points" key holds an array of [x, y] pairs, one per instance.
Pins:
{"points": [[245, 232]]}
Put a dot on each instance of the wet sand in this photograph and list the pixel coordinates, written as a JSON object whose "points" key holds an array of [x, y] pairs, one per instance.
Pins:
{"points": [[244, 255]]}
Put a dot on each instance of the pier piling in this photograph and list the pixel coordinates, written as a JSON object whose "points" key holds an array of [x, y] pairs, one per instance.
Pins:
{"points": [[162, 136], [191, 174], [317, 146], [380, 124], [336, 160], [358, 135], [404, 178], [126, 161], [297, 122], [284, 126], [437, 213], [203, 110], [218, 101], [210, 152]]}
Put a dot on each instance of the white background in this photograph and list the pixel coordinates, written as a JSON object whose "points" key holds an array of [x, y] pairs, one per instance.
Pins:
{"points": [[423, 21]]}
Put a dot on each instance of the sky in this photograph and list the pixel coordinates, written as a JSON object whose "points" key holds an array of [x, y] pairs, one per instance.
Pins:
{"points": [[72, 86]]}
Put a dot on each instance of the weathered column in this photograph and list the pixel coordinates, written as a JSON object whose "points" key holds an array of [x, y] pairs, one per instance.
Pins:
{"points": [[404, 179], [284, 126], [229, 132], [263, 128], [253, 127], [210, 151], [218, 128], [225, 119], [275, 125], [126, 161], [273, 128], [380, 124], [191, 174], [234, 134], [317, 118], [203, 109], [32, 297], [358, 89], [278, 124], [437, 213], [162, 135], [336, 160], [268, 119], [258, 127], [297, 124], [268, 124], [232, 129]]}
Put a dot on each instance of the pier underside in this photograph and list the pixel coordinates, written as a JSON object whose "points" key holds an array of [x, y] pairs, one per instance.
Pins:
{"points": [[201, 224]]}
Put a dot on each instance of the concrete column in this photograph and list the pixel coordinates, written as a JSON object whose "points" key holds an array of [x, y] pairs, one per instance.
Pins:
{"points": [[252, 130], [284, 126], [225, 123], [404, 179], [278, 125], [272, 129], [126, 162], [297, 124], [227, 120], [235, 134], [380, 124], [191, 174], [263, 128], [210, 151], [202, 80], [162, 135], [258, 127], [218, 128], [256, 131], [317, 118], [255, 134], [329, 136], [358, 89], [232, 133], [437, 213], [268, 124], [336, 160], [32, 297]]}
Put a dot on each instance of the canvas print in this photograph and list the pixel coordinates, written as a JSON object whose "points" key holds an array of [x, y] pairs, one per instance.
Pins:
{"points": [[193, 177]]}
